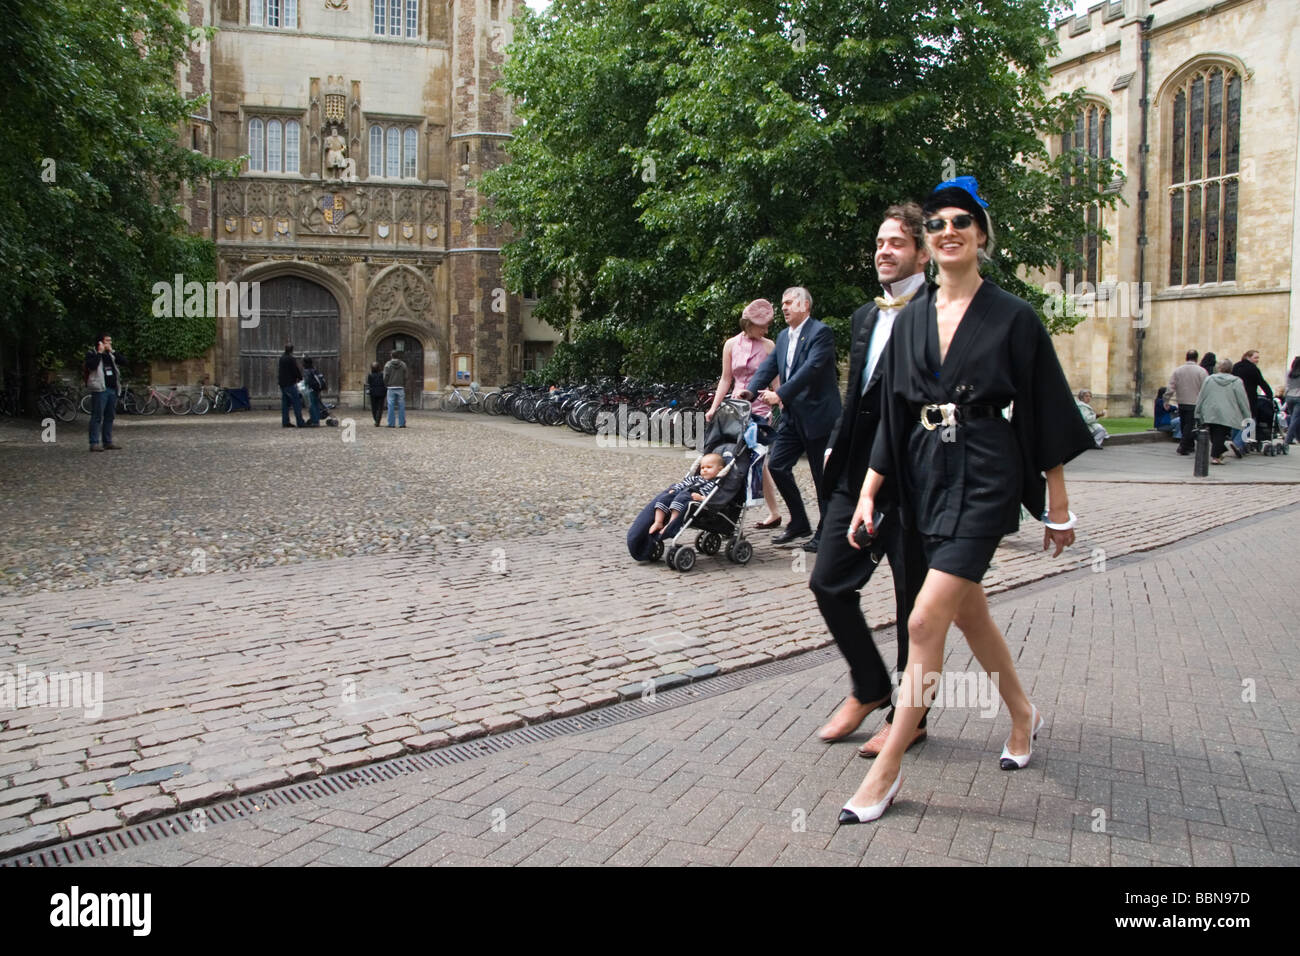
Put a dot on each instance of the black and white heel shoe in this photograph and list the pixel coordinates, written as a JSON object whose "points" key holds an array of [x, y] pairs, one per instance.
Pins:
{"points": [[852, 814], [1010, 761]]}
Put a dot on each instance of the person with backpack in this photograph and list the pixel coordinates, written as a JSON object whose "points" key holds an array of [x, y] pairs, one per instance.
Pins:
{"points": [[315, 383]]}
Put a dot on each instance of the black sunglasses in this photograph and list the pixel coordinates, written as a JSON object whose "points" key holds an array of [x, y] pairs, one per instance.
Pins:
{"points": [[936, 224]]}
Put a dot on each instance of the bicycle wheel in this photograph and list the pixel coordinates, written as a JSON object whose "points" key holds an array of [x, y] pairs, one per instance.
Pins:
{"points": [[65, 409], [87, 403], [149, 405], [201, 404], [475, 403], [180, 403], [448, 401], [221, 403]]}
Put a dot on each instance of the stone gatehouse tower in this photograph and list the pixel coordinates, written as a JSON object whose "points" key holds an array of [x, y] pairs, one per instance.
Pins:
{"points": [[363, 124]]}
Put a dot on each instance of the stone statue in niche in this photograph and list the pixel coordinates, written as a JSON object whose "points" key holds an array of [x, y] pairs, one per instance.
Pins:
{"points": [[338, 165]]}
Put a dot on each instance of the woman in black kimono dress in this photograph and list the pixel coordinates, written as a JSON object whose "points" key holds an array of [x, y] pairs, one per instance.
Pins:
{"points": [[961, 353]]}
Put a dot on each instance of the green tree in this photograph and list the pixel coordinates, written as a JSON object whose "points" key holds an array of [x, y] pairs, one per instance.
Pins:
{"points": [[681, 157], [90, 177]]}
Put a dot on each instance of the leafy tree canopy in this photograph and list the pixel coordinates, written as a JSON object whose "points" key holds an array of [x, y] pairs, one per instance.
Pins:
{"points": [[678, 158], [90, 176]]}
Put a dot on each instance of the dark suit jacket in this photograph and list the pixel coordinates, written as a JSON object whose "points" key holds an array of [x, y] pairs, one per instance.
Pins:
{"points": [[810, 390], [857, 404]]}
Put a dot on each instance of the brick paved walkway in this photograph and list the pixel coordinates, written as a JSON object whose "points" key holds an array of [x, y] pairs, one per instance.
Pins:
{"points": [[239, 681], [1154, 753]]}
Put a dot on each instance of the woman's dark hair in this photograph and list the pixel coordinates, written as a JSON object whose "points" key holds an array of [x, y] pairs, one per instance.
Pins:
{"points": [[307, 362], [1295, 365], [374, 366], [1210, 362]]}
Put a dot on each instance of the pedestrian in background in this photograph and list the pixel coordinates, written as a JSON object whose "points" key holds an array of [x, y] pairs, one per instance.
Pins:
{"points": [[809, 396], [315, 383], [741, 356], [1256, 388], [1222, 406], [378, 392], [395, 382], [289, 375], [1291, 397], [1184, 388], [1084, 403], [104, 381]]}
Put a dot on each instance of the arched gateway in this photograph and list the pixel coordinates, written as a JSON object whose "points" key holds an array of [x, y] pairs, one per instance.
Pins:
{"points": [[297, 310]]}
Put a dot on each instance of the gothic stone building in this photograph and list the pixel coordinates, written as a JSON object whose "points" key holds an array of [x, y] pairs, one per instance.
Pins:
{"points": [[365, 123], [1219, 246]]}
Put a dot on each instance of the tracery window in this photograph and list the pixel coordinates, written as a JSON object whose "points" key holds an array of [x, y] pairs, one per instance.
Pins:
{"points": [[1088, 139], [1205, 164]]}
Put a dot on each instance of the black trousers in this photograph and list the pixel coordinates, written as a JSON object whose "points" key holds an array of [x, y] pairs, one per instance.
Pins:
{"points": [[1187, 416], [837, 581], [1219, 440], [377, 406], [786, 449]]}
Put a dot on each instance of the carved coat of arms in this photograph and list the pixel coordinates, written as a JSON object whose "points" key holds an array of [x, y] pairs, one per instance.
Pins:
{"points": [[332, 209]]}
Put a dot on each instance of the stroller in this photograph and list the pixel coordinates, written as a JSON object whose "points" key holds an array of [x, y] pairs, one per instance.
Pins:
{"points": [[720, 515], [1269, 434]]}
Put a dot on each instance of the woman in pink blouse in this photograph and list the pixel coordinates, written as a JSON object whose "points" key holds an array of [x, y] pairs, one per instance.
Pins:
{"points": [[741, 356]]}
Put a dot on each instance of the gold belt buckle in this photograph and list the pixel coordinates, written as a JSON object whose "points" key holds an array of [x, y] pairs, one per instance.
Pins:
{"points": [[949, 412]]}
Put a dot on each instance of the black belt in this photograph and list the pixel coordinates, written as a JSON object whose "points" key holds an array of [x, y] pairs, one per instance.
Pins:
{"points": [[932, 416]]}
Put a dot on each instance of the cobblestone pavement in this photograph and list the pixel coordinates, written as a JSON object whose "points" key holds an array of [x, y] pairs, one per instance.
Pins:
{"points": [[247, 494], [236, 680], [1172, 716]]}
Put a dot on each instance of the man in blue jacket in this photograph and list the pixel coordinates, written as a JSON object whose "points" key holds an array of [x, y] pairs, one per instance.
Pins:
{"points": [[809, 396]]}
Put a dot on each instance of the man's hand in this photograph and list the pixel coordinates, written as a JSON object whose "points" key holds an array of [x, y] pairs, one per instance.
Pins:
{"points": [[745, 395], [770, 397], [99, 346], [862, 515]]}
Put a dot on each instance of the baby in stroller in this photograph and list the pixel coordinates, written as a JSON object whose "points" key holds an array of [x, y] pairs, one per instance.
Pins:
{"points": [[712, 498], [691, 488]]}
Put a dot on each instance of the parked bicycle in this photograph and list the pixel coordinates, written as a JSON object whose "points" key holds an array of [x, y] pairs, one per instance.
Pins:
{"points": [[177, 402], [211, 397], [53, 402], [458, 400]]}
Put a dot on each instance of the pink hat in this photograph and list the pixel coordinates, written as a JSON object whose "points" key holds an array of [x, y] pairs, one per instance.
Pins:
{"points": [[759, 312]]}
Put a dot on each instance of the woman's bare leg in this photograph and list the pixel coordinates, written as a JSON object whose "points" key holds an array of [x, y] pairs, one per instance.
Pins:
{"points": [[927, 627], [990, 649], [769, 494]]}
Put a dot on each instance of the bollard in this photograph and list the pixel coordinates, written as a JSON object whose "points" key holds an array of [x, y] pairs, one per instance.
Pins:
{"points": [[1202, 466]]}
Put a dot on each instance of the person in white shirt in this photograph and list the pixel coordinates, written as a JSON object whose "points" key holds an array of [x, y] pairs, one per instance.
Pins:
{"points": [[842, 570]]}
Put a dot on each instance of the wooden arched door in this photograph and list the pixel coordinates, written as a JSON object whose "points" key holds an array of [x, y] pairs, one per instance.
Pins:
{"points": [[297, 310], [407, 348]]}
